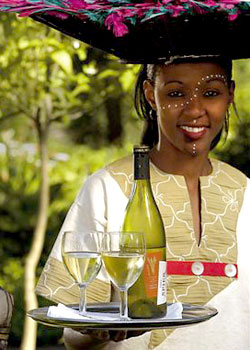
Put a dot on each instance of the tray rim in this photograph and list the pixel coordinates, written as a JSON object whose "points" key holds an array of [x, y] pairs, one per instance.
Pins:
{"points": [[207, 312]]}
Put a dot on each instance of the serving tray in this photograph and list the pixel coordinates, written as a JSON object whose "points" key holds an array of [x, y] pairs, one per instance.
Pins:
{"points": [[191, 314]]}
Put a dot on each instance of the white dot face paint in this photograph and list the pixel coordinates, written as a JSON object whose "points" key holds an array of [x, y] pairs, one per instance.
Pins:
{"points": [[187, 97], [194, 149]]}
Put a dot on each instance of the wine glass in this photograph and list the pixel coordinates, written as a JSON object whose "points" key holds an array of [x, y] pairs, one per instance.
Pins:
{"points": [[81, 255], [123, 255]]}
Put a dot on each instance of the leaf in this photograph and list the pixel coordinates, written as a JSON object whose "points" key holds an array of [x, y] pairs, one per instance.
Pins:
{"points": [[127, 80], [108, 73], [63, 59]]}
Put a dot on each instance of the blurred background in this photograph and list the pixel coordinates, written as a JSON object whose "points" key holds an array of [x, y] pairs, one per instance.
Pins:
{"points": [[66, 110]]}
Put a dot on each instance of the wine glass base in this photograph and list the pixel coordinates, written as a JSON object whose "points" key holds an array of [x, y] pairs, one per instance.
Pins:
{"points": [[124, 318]]}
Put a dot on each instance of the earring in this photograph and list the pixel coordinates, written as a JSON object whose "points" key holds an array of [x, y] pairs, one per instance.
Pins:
{"points": [[152, 115]]}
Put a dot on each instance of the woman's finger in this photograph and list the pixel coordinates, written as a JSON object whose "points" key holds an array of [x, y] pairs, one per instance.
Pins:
{"points": [[118, 335], [99, 334]]}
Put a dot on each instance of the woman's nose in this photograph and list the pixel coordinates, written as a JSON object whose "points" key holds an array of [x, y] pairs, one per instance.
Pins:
{"points": [[194, 107]]}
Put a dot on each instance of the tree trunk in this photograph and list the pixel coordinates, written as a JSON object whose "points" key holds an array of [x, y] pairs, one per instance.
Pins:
{"points": [[33, 257], [114, 128]]}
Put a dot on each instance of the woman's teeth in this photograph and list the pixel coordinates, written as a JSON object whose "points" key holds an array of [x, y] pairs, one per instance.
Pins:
{"points": [[192, 129]]}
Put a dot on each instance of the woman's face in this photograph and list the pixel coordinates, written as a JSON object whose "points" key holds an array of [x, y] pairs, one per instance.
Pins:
{"points": [[191, 101]]}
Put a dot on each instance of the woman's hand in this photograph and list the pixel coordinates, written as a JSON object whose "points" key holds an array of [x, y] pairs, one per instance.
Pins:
{"points": [[105, 335], [86, 339], [116, 336]]}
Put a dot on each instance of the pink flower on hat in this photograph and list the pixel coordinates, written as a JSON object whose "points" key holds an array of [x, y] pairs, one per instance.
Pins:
{"points": [[228, 4], [115, 20], [166, 1], [77, 4], [233, 16], [210, 3], [177, 9]]}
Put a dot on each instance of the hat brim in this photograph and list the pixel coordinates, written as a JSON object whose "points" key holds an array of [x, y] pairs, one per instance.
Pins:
{"points": [[163, 37]]}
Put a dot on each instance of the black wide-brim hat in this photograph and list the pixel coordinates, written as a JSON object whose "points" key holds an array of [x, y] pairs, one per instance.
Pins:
{"points": [[147, 31]]}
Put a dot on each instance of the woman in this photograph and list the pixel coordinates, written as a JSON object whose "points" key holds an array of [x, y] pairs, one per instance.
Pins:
{"points": [[203, 203]]}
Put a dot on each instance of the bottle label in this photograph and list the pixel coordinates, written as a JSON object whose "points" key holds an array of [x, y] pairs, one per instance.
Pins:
{"points": [[152, 272], [162, 283]]}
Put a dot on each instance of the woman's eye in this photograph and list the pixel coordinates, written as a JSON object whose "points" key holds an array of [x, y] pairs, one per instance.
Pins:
{"points": [[211, 93], [175, 94]]}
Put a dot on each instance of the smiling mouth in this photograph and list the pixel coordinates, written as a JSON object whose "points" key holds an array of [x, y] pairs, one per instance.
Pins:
{"points": [[192, 129]]}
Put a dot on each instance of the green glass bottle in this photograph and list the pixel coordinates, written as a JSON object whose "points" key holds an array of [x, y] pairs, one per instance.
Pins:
{"points": [[147, 297]]}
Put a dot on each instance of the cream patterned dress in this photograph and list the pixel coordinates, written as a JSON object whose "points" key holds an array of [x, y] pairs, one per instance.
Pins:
{"points": [[100, 205]]}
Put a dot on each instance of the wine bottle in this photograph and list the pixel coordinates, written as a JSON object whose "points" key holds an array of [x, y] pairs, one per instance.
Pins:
{"points": [[147, 297]]}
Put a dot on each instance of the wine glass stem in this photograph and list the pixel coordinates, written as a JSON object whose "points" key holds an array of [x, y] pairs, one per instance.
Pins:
{"points": [[124, 304], [82, 301]]}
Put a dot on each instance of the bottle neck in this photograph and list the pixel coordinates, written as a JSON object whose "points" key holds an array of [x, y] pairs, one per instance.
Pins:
{"points": [[141, 166]]}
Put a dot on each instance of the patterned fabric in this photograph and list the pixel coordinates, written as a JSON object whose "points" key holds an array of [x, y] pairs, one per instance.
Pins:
{"points": [[56, 284], [222, 195]]}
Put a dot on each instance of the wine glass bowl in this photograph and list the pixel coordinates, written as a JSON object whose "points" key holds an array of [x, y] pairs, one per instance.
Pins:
{"points": [[81, 255], [123, 255]]}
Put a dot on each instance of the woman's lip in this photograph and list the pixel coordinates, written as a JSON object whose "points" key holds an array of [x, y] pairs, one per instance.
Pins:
{"points": [[193, 132]]}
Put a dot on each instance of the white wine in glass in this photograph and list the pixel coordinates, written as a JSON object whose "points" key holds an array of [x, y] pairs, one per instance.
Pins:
{"points": [[123, 255], [123, 268], [82, 258]]}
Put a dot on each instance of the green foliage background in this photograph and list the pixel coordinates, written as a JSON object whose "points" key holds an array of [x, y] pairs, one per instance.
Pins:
{"points": [[88, 96]]}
